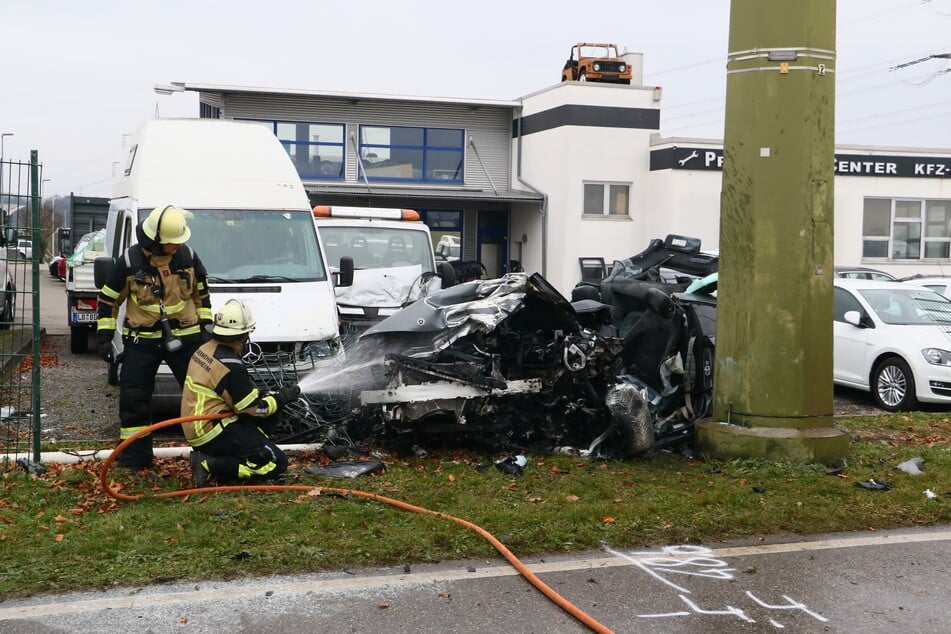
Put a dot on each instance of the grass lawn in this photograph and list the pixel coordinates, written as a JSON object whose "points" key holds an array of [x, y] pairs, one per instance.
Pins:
{"points": [[59, 531]]}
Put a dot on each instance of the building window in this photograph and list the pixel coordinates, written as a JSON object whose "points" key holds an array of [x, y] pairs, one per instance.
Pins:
{"points": [[425, 155], [446, 231], [906, 229], [606, 199], [207, 111], [317, 149]]}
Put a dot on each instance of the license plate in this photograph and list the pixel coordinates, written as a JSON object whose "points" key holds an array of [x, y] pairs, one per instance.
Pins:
{"points": [[85, 318]]}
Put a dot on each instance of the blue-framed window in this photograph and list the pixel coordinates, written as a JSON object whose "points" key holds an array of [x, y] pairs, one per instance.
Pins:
{"points": [[317, 149], [422, 155]]}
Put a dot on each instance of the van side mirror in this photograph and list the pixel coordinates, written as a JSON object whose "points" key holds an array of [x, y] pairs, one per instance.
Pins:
{"points": [[345, 275], [102, 270], [447, 273]]}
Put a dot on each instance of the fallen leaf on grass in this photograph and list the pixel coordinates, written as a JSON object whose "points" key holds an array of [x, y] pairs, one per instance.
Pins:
{"points": [[59, 537], [572, 498], [451, 477], [607, 519]]}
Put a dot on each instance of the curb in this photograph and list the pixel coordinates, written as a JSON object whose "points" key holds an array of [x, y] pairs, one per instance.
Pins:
{"points": [[17, 342]]}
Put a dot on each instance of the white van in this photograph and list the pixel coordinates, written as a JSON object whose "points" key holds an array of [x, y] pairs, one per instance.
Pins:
{"points": [[252, 228]]}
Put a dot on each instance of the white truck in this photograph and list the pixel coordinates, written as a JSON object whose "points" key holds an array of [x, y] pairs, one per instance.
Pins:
{"points": [[81, 290], [252, 228], [393, 261]]}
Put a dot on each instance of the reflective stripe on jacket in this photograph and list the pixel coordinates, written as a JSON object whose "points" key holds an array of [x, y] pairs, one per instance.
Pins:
{"points": [[218, 382], [181, 281]]}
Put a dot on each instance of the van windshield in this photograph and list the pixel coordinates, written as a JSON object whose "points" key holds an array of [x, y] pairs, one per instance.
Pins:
{"points": [[255, 245], [378, 247]]}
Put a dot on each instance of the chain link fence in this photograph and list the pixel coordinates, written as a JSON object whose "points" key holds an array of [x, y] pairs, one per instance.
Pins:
{"points": [[21, 256]]}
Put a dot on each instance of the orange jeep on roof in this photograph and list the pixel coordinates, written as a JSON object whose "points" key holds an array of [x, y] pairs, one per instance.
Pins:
{"points": [[596, 62]]}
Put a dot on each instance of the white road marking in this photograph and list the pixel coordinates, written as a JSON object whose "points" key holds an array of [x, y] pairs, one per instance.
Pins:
{"points": [[256, 588]]}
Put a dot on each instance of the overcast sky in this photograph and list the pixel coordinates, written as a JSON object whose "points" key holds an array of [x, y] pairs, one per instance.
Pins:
{"points": [[76, 75]]}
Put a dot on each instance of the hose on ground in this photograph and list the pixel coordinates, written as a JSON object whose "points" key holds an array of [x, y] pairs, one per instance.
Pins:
{"points": [[509, 556]]}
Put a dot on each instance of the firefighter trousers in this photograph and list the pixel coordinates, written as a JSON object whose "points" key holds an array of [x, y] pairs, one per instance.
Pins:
{"points": [[140, 363], [243, 451]]}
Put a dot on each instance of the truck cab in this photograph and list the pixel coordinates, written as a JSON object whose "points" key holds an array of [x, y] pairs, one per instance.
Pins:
{"points": [[394, 263]]}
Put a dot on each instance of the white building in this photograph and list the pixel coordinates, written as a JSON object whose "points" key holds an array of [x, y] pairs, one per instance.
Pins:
{"points": [[574, 170]]}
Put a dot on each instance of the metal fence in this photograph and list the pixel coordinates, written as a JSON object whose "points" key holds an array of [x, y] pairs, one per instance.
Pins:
{"points": [[21, 255]]}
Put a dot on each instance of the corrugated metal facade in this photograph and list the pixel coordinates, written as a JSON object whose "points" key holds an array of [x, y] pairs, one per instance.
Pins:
{"points": [[488, 127]]}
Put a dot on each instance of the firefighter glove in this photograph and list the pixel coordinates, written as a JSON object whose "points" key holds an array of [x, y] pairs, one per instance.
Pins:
{"points": [[105, 348], [287, 394]]}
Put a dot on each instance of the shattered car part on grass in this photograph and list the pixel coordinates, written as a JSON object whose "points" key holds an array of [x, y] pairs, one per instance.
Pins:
{"points": [[512, 363]]}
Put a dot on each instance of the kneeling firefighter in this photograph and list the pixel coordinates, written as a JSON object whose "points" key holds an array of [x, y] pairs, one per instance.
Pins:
{"points": [[163, 284], [236, 447]]}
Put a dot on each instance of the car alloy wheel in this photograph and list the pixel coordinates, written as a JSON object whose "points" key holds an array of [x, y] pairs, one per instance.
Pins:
{"points": [[893, 385]]}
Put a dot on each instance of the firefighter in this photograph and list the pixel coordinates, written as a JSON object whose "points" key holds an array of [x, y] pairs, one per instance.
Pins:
{"points": [[236, 447], [163, 285]]}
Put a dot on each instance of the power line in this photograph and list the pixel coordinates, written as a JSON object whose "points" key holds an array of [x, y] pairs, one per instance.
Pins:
{"points": [[922, 59]]}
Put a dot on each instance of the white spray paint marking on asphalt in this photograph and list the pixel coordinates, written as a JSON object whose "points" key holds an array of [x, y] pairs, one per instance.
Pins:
{"points": [[697, 561], [350, 584]]}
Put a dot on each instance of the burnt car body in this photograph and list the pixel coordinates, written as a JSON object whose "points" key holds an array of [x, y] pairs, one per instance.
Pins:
{"points": [[512, 362]]}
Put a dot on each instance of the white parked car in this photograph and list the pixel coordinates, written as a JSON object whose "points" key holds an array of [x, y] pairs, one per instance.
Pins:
{"points": [[448, 248], [940, 285], [893, 340], [25, 249]]}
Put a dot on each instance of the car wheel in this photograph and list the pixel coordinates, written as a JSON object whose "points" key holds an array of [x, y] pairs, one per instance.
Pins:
{"points": [[79, 339], [893, 385], [583, 76]]}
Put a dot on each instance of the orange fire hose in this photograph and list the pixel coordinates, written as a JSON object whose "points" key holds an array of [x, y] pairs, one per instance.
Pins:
{"points": [[530, 576]]}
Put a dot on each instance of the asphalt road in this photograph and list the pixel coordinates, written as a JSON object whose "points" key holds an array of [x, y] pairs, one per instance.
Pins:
{"points": [[893, 581]]}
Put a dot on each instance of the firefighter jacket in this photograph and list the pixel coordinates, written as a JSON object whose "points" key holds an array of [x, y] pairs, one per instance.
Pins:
{"points": [[146, 282], [218, 382]]}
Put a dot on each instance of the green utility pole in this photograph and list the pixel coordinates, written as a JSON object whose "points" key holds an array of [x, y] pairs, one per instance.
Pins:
{"points": [[773, 372]]}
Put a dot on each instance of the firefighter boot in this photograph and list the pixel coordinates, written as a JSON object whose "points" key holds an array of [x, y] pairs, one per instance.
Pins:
{"points": [[200, 473]]}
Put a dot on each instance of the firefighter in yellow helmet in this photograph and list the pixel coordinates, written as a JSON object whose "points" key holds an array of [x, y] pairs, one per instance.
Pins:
{"points": [[236, 447], [162, 283]]}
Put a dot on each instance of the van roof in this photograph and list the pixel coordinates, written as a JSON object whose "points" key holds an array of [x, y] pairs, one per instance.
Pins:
{"points": [[209, 163]]}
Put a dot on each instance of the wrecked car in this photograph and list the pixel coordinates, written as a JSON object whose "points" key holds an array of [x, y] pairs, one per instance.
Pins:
{"points": [[512, 363]]}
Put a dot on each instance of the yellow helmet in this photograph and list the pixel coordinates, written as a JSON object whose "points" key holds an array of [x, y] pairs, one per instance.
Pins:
{"points": [[166, 225], [233, 319]]}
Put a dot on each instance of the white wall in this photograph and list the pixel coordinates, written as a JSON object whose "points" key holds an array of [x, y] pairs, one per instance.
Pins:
{"points": [[560, 160]]}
